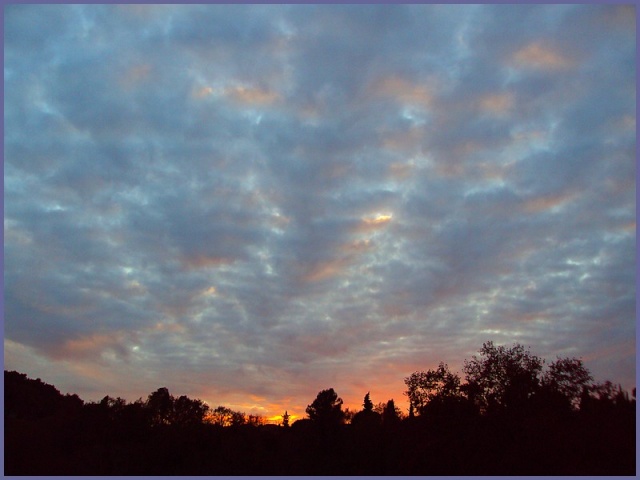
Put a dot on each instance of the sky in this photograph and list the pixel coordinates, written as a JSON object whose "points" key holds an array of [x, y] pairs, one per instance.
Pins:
{"points": [[250, 204]]}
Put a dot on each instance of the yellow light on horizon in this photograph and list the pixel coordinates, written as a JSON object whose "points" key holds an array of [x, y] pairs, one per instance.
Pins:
{"points": [[278, 418]]}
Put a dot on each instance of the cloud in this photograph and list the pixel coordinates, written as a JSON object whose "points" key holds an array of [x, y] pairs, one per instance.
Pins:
{"points": [[253, 95], [497, 104], [248, 204], [537, 55], [547, 203], [403, 91], [327, 269]]}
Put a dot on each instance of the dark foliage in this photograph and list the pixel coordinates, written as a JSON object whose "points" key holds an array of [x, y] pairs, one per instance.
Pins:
{"points": [[367, 404], [27, 398], [326, 409], [437, 385], [502, 378], [509, 418]]}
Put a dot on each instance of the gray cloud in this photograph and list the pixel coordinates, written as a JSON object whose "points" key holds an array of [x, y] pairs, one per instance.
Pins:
{"points": [[251, 203]]}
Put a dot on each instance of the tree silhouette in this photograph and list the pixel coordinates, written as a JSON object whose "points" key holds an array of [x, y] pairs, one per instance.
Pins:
{"points": [[367, 416], [391, 415], [238, 418], [367, 404], [567, 377], [254, 420], [605, 397], [188, 411], [221, 416], [25, 397], [285, 419], [426, 387], [502, 378], [326, 409], [348, 415], [160, 403]]}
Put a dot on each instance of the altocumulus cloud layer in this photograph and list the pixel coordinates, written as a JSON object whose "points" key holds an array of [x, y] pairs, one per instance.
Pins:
{"points": [[248, 204]]}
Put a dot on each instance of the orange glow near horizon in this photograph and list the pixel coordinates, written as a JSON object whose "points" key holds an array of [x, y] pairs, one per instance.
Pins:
{"points": [[391, 386], [353, 405]]}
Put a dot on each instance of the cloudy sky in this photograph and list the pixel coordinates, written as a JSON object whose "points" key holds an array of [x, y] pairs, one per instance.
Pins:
{"points": [[249, 204]]}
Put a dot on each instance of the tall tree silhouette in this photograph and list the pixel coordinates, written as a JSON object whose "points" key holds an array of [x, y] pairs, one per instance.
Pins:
{"points": [[391, 414], [367, 416], [367, 403], [326, 409]]}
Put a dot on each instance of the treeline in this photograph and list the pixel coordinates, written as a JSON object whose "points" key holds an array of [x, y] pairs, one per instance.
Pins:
{"points": [[510, 414], [27, 398]]}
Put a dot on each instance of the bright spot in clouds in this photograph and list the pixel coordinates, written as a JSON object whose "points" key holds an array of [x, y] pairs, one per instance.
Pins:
{"points": [[378, 219], [209, 292]]}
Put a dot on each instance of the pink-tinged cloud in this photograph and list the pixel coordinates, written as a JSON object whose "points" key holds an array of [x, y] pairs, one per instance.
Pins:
{"points": [[346, 256], [548, 202], [404, 141], [136, 75], [252, 95], [627, 347], [205, 261], [358, 247], [241, 94], [401, 171], [202, 92], [618, 17], [326, 269], [497, 104], [537, 55], [396, 309], [91, 346], [403, 91]]}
